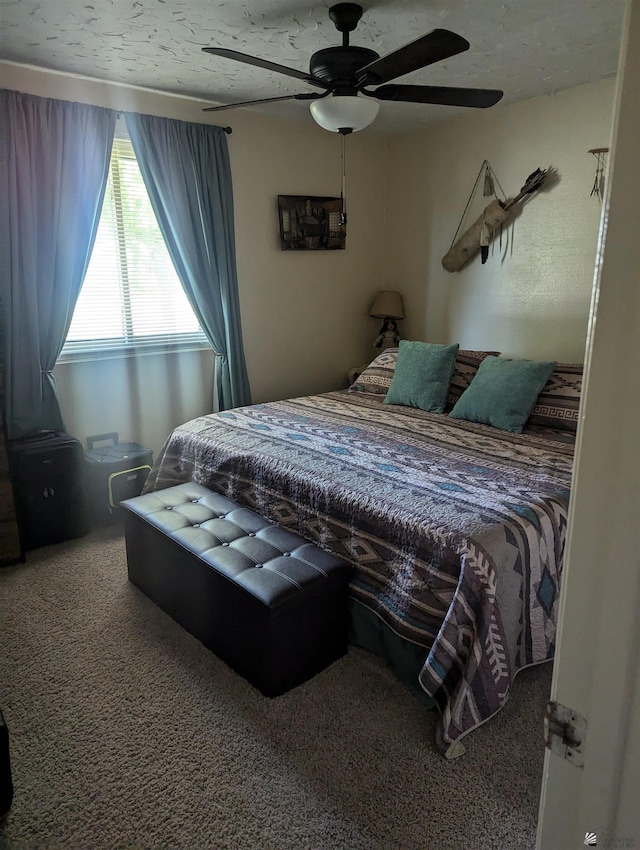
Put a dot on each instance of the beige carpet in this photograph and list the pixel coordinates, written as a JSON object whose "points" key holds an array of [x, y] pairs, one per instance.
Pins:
{"points": [[126, 733]]}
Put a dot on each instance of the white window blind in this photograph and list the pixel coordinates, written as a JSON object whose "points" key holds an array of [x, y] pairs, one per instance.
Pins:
{"points": [[131, 296]]}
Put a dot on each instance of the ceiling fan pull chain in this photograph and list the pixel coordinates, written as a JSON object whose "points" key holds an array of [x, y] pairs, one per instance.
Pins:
{"points": [[343, 179]]}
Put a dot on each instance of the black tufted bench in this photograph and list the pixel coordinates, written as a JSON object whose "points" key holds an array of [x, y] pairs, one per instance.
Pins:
{"points": [[271, 605]]}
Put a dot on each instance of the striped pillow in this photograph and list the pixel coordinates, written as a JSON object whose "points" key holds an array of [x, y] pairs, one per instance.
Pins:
{"points": [[376, 378], [558, 403], [464, 370]]}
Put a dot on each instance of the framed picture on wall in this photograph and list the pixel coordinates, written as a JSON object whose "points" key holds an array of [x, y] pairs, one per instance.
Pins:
{"points": [[309, 223]]}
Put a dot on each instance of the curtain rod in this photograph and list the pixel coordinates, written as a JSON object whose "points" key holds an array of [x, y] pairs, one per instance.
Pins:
{"points": [[227, 130]]}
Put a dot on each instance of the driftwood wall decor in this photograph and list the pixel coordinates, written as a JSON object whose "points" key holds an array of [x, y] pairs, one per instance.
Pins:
{"points": [[481, 233]]}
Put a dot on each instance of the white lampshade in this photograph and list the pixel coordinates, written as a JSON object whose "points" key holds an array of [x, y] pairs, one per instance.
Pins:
{"points": [[344, 112], [387, 305]]}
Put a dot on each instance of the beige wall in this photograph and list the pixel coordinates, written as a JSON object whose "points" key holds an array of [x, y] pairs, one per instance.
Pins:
{"points": [[142, 398], [532, 299], [303, 314]]}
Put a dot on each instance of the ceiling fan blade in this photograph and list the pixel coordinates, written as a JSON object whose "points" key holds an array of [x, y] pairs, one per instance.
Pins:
{"points": [[263, 100], [442, 95], [433, 47], [263, 63]]}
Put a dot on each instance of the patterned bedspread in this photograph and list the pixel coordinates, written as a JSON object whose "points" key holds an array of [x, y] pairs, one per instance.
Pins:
{"points": [[456, 530]]}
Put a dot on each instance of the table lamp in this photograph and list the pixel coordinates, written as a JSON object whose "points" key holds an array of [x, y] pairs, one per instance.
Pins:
{"points": [[387, 305]]}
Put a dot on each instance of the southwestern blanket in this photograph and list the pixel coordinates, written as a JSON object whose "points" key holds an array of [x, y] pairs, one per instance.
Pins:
{"points": [[456, 530]]}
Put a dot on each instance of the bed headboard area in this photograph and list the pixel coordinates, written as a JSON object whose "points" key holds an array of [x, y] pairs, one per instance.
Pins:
{"points": [[554, 406]]}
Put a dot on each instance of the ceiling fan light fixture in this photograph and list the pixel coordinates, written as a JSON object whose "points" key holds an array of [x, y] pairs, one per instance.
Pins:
{"points": [[344, 113]]}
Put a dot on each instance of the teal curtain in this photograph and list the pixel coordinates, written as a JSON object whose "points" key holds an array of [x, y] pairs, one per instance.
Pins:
{"points": [[186, 170], [54, 164]]}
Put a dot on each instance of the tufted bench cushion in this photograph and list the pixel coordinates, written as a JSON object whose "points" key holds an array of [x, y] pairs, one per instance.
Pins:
{"points": [[271, 605]]}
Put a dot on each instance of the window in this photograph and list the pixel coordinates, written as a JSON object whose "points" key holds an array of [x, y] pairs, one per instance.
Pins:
{"points": [[131, 297]]}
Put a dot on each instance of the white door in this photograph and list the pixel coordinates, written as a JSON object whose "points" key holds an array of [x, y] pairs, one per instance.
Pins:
{"points": [[597, 668]]}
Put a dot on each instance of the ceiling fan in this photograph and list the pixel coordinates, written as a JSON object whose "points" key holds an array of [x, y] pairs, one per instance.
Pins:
{"points": [[344, 73]]}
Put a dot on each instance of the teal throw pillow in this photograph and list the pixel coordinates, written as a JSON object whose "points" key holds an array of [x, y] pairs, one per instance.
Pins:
{"points": [[503, 392], [422, 375]]}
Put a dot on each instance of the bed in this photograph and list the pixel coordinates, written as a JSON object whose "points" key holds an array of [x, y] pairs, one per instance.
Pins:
{"points": [[456, 529]]}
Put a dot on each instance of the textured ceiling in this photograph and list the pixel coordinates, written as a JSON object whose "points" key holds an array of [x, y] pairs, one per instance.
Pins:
{"points": [[525, 47]]}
